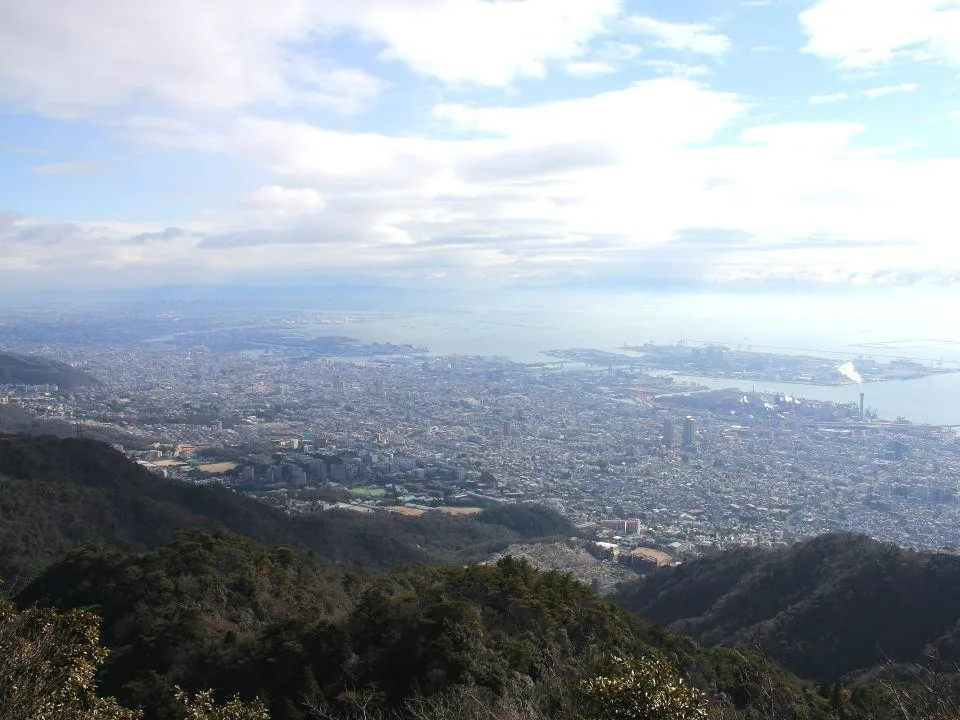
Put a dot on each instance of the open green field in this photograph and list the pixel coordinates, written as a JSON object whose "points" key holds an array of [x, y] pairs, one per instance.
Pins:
{"points": [[368, 492]]}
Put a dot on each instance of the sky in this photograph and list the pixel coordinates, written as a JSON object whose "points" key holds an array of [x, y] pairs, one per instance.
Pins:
{"points": [[479, 143]]}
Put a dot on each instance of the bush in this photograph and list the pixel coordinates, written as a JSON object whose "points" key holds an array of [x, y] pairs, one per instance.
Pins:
{"points": [[646, 689]]}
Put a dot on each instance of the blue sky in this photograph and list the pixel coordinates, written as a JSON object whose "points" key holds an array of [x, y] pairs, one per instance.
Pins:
{"points": [[465, 143]]}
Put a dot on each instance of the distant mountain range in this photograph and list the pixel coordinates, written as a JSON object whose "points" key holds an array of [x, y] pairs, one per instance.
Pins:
{"points": [[825, 608], [17, 369]]}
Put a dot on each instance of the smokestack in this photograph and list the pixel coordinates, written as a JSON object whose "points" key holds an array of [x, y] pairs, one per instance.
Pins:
{"points": [[861, 406]]}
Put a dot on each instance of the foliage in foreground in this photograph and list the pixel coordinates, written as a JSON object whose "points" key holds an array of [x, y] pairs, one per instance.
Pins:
{"points": [[502, 642], [48, 662], [646, 689], [47, 666]]}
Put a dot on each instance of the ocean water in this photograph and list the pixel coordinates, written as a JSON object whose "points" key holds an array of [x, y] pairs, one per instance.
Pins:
{"points": [[915, 323]]}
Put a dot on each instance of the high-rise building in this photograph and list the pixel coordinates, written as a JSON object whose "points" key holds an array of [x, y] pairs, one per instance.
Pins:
{"points": [[689, 432], [669, 433]]}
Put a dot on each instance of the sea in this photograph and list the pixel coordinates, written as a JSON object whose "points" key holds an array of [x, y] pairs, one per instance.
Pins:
{"points": [[917, 323]]}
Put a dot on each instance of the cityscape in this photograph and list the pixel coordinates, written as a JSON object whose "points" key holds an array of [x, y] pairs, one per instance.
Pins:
{"points": [[657, 468]]}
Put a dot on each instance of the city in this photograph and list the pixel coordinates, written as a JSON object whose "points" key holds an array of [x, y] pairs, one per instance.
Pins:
{"points": [[639, 460]]}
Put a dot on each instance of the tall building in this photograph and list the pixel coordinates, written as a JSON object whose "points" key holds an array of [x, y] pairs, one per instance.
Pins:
{"points": [[690, 432], [669, 433]]}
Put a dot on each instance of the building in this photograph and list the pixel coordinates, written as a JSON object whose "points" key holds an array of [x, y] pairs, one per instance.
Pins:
{"points": [[644, 559], [690, 432], [669, 433]]}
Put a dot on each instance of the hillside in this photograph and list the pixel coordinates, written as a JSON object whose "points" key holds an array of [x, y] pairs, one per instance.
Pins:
{"points": [[15, 420], [823, 608], [221, 611], [17, 369], [58, 494]]}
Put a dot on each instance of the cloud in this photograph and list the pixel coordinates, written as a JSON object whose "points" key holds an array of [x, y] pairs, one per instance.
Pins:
{"points": [[871, 93], [686, 112], [536, 162], [463, 175], [166, 235], [8, 220], [629, 181], [890, 90], [694, 37], [864, 34], [671, 67], [486, 43], [829, 99], [226, 55], [279, 201], [590, 68], [211, 56], [615, 51]]}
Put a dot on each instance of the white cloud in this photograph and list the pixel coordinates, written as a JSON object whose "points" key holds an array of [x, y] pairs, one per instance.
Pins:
{"points": [[871, 93], [590, 68], [695, 37], [618, 51], [671, 67], [660, 113], [890, 90], [862, 34], [651, 179], [829, 99], [69, 58], [279, 202], [222, 55], [476, 41], [614, 190]]}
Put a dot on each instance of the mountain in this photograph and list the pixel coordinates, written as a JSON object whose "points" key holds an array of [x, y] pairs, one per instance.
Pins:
{"points": [[17, 369], [16, 420], [57, 494], [342, 611], [824, 608], [220, 611]]}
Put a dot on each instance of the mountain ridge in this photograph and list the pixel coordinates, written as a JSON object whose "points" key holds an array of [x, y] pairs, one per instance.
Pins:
{"points": [[20, 369], [57, 494], [824, 607]]}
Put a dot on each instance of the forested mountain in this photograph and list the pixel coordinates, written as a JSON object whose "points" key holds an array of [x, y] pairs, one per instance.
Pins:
{"points": [[15, 420], [354, 615], [58, 494], [824, 607], [17, 369], [223, 612]]}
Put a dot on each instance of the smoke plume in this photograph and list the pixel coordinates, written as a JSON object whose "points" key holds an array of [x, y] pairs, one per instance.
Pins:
{"points": [[849, 370]]}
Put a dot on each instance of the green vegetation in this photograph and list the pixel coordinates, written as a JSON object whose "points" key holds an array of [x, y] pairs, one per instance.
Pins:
{"points": [[529, 521], [368, 492], [645, 689], [47, 665], [59, 494], [338, 616], [221, 611], [824, 607]]}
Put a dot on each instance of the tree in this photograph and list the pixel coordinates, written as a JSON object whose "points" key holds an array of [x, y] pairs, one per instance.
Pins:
{"points": [[202, 707], [48, 661], [47, 666], [646, 689]]}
